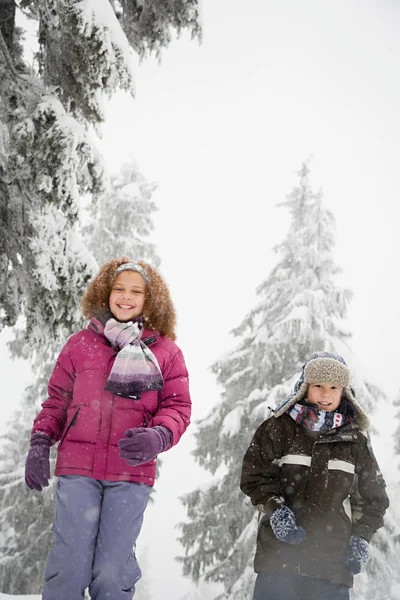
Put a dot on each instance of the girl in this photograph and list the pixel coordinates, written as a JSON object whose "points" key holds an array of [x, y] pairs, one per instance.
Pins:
{"points": [[118, 396], [321, 496]]}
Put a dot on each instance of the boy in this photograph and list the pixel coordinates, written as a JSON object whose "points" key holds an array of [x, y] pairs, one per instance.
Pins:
{"points": [[313, 476]]}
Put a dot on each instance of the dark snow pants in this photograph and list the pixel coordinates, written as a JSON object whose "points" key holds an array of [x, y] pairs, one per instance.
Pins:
{"points": [[275, 586], [95, 530]]}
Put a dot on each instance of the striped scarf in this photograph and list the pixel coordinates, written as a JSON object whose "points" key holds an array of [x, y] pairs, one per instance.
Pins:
{"points": [[135, 369], [314, 419]]}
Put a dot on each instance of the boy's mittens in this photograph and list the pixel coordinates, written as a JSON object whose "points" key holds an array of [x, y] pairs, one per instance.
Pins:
{"points": [[142, 444], [357, 554], [283, 524], [37, 465]]}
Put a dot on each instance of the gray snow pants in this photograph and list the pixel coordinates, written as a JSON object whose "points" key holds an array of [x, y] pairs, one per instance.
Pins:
{"points": [[95, 530]]}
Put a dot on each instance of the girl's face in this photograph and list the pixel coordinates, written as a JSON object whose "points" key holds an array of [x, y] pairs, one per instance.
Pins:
{"points": [[127, 296], [325, 395]]}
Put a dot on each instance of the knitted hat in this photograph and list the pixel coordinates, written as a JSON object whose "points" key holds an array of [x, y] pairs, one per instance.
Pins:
{"points": [[324, 367]]}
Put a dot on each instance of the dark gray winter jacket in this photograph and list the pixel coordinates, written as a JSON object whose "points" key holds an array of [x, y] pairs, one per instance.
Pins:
{"points": [[333, 485]]}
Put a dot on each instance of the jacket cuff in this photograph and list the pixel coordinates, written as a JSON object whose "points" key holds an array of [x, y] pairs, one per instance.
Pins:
{"points": [[363, 531], [165, 435], [270, 506], [40, 438]]}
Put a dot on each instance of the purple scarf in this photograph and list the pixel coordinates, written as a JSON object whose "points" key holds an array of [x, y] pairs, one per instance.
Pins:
{"points": [[135, 369], [314, 419]]}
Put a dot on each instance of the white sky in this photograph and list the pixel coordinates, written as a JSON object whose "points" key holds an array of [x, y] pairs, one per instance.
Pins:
{"points": [[223, 127]]}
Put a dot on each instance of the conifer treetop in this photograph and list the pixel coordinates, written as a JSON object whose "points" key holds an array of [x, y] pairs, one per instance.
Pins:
{"points": [[300, 309]]}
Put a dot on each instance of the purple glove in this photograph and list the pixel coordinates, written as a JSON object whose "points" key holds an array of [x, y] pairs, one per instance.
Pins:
{"points": [[283, 524], [357, 554], [37, 466], [142, 444]]}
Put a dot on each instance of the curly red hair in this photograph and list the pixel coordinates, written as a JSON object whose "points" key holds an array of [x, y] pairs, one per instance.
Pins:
{"points": [[158, 311]]}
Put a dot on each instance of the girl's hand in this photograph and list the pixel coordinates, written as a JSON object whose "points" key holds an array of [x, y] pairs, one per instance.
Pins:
{"points": [[141, 444], [37, 465]]}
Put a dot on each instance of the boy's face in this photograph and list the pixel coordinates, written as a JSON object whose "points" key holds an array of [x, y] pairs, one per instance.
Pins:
{"points": [[326, 396], [127, 296]]}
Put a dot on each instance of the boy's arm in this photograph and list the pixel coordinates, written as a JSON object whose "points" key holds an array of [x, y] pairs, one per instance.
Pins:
{"points": [[369, 500], [260, 475]]}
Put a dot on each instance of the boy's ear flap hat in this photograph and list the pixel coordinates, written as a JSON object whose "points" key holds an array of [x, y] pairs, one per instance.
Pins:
{"points": [[324, 367]]}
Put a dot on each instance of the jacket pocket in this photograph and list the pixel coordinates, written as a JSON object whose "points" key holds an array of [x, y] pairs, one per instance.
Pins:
{"points": [[341, 524], [70, 424]]}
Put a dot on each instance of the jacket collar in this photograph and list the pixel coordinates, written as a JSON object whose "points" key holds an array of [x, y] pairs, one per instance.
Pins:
{"points": [[348, 433]]}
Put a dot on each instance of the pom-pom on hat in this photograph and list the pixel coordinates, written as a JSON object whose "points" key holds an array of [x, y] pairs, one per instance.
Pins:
{"points": [[324, 367]]}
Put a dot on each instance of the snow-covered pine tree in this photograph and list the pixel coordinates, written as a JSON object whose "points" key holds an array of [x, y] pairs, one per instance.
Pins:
{"points": [[47, 159], [301, 309], [149, 25], [381, 580], [202, 592], [122, 219], [25, 516], [47, 162]]}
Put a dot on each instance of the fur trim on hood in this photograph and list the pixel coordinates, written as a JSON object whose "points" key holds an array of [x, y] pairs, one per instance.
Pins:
{"points": [[324, 367]]}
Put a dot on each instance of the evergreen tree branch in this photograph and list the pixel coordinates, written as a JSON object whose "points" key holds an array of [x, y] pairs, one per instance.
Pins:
{"points": [[17, 77]]}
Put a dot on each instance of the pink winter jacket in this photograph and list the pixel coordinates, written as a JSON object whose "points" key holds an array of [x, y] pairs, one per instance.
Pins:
{"points": [[89, 421]]}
